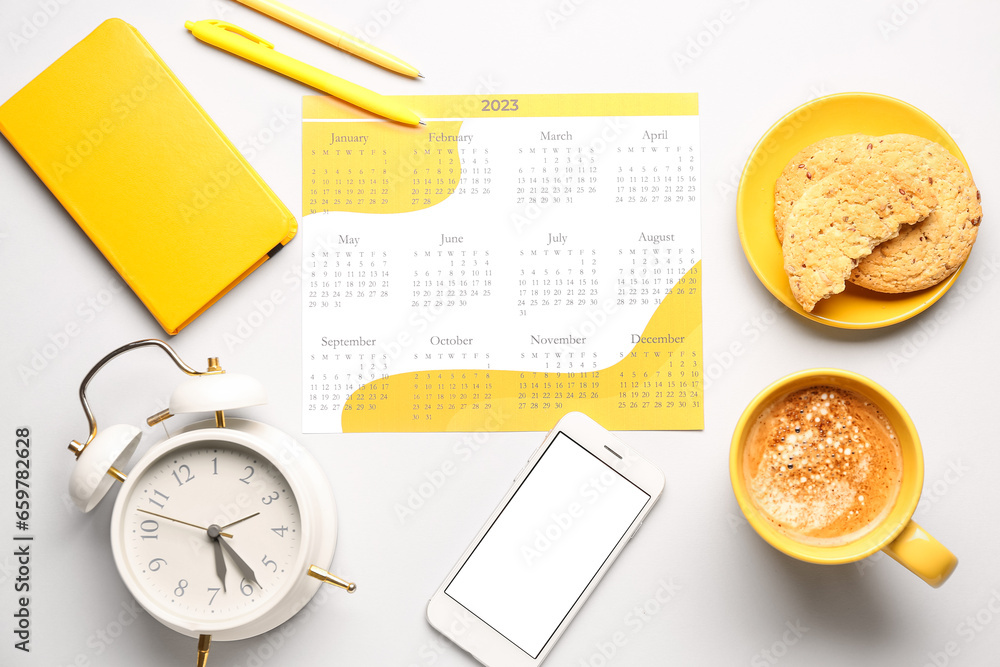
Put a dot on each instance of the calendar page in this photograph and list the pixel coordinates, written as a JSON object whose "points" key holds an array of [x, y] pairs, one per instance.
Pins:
{"points": [[514, 259]]}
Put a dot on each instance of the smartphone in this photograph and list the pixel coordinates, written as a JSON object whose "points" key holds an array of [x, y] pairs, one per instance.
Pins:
{"points": [[571, 510]]}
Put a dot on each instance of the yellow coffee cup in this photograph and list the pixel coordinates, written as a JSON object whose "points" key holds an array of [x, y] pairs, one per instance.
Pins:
{"points": [[896, 534]]}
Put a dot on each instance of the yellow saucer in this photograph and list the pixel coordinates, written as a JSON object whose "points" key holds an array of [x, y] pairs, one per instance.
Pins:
{"points": [[843, 113]]}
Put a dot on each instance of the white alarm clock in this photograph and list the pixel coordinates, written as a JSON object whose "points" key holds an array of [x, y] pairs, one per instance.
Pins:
{"points": [[223, 530]]}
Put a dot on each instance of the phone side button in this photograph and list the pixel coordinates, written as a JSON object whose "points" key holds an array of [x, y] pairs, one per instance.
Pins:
{"points": [[635, 532]]}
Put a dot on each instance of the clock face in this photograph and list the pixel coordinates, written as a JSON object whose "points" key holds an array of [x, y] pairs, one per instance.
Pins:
{"points": [[209, 534]]}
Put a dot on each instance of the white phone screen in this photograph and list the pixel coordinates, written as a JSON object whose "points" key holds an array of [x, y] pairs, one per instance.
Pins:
{"points": [[547, 544]]}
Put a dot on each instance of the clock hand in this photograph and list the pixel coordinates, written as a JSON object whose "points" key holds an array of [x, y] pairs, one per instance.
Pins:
{"points": [[247, 572], [238, 521], [220, 560], [170, 518]]}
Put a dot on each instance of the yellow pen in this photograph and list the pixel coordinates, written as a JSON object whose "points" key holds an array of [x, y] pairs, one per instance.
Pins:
{"points": [[240, 42], [332, 36]]}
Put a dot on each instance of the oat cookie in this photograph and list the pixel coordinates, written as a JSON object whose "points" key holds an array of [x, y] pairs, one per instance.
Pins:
{"points": [[922, 255], [810, 165], [925, 254], [839, 221]]}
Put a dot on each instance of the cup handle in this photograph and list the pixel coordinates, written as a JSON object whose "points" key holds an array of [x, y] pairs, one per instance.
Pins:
{"points": [[921, 554]]}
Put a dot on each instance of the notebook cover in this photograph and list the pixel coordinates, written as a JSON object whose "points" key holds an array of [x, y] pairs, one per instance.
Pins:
{"points": [[144, 171]]}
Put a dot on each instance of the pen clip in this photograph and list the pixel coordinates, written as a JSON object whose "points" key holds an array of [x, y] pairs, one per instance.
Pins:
{"points": [[229, 27]]}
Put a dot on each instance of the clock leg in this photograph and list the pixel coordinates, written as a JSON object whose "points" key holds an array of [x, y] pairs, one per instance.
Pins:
{"points": [[204, 642], [332, 579]]}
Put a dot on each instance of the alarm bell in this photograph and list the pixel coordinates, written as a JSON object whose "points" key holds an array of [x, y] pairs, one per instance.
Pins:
{"points": [[101, 458], [210, 393], [100, 464]]}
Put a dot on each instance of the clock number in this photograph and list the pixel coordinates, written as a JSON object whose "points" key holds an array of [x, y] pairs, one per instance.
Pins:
{"points": [[181, 585], [269, 563], [270, 499], [186, 470], [246, 480], [215, 471], [212, 599], [162, 495], [149, 526], [246, 588], [156, 564], [280, 531]]}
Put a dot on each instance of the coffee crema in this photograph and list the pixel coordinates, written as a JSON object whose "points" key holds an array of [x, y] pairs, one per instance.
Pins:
{"points": [[823, 464]]}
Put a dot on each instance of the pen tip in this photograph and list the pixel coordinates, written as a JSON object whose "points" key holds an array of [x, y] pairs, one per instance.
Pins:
{"points": [[422, 122], [419, 74]]}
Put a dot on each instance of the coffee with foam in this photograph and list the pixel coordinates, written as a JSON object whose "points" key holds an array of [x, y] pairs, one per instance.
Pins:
{"points": [[823, 464]]}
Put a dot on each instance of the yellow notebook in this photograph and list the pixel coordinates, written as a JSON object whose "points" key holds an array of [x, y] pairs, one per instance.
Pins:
{"points": [[144, 171]]}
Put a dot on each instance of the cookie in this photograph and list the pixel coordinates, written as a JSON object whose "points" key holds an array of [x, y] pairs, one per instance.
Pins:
{"points": [[839, 221], [809, 166], [922, 255], [925, 254]]}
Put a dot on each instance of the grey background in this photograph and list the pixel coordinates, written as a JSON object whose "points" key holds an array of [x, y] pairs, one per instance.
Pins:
{"points": [[713, 592]]}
